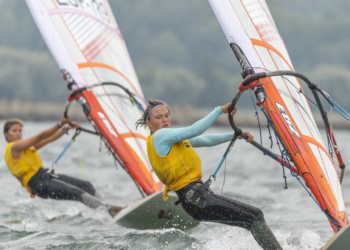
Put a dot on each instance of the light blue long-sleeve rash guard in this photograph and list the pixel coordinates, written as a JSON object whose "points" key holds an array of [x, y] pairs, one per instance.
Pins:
{"points": [[164, 138]]}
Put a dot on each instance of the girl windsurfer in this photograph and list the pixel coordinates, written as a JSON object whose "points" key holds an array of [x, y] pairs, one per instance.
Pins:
{"points": [[178, 166], [25, 164]]}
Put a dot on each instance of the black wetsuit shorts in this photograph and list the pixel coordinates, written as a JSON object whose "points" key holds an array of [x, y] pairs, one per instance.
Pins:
{"points": [[58, 186], [217, 208]]}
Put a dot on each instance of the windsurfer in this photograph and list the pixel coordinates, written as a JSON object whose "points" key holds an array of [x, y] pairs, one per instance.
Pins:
{"points": [[25, 164], [178, 166]]}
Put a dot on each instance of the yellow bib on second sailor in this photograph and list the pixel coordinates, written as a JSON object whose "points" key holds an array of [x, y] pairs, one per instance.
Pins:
{"points": [[180, 167], [25, 167]]}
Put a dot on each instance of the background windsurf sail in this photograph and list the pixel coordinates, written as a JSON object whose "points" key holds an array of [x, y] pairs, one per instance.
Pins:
{"points": [[253, 36], [86, 43]]}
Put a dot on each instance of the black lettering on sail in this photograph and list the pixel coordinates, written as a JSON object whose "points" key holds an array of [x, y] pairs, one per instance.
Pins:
{"points": [[287, 119]]}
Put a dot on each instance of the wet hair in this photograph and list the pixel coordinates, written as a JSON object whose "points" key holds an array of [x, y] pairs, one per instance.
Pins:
{"points": [[151, 104], [10, 123]]}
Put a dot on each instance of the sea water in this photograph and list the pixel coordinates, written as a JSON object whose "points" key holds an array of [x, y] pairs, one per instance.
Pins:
{"points": [[250, 177]]}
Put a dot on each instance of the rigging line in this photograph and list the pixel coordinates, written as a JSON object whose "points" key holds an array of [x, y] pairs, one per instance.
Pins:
{"points": [[284, 153], [297, 105], [115, 156], [134, 137], [340, 110], [299, 90], [232, 142], [111, 109], [99, 150], [115, 108], [77, 132], [296, 175], [119, 161], [257, 116], [121, 96], [111, 151], [222, 188], [300, 106], [102, 84], [126, 125], [118, 116], [84, 84], [270, 121], [122, 165], [330, 149], [336, 147], [268, 128], [329, 142], [80, 160], [266, 70], [98, 65], [310, 194], [336, 106]]}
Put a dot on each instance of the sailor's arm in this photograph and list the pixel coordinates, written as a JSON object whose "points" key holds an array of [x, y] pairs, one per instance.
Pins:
{"points": [[164, 138], [216, 139], [19, 146], [210, 140], [55, 136]]}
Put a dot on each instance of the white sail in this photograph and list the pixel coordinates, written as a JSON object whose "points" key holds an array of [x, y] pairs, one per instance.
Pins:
{"points": [[85, 41], [249, 24]]}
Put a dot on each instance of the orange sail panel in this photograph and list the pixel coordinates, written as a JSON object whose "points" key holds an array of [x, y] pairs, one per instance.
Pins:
{"points": [[86, 42]]}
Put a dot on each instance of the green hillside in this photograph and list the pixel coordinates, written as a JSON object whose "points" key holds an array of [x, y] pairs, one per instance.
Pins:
{"points": [[179, 50]]}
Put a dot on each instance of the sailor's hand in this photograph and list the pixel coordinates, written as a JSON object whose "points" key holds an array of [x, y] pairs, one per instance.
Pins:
{"points": [[250, 136], [69, 126], [73, 125], [65, 120], [226, 107]]}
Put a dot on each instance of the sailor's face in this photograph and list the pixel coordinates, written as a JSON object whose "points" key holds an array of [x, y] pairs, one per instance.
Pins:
{"points": [[159, 118], [14, 133]]}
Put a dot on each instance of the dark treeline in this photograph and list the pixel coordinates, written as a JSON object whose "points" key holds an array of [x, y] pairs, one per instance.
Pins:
{"points": [[179, 50]]}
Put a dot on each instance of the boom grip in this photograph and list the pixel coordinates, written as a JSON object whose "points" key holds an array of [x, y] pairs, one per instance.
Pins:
{"points": [[254, 77]]}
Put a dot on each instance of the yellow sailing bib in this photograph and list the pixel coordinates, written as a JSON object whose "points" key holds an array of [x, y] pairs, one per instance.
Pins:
{"points": [[180, 167], [25, 167]]}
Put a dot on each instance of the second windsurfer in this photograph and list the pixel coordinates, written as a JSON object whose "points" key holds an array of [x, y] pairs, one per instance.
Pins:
{"points": [[25, 164]]}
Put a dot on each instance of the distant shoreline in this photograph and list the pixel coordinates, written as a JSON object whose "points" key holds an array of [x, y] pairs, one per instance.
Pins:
{"points": [[180, 114]]}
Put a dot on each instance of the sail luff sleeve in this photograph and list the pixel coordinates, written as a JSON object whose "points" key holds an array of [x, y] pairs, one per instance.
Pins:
{"points": [[234, 31]]}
